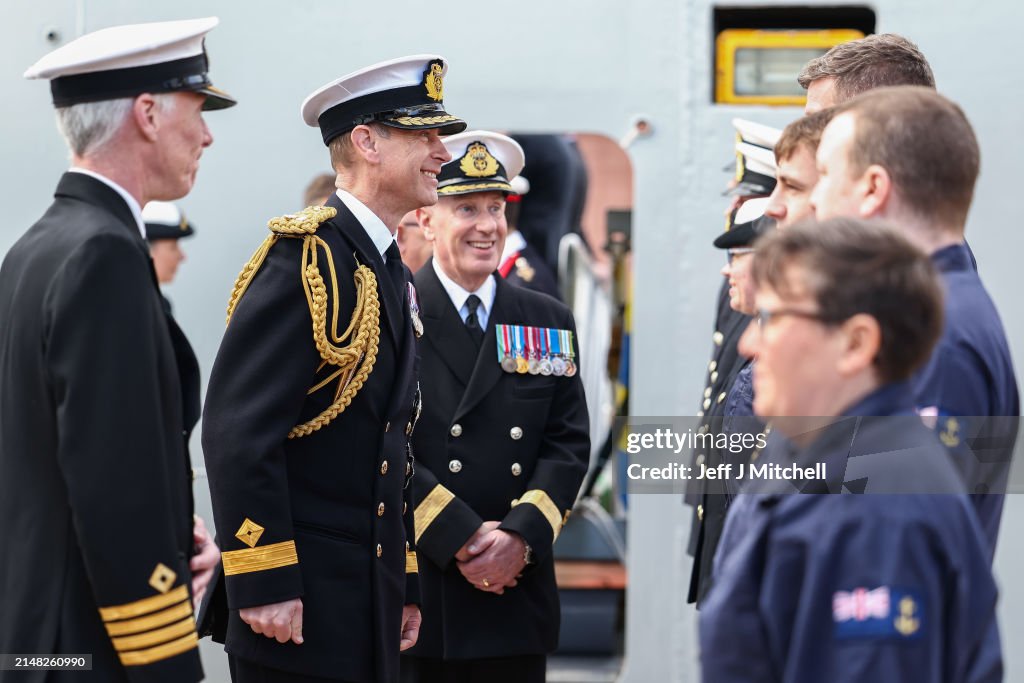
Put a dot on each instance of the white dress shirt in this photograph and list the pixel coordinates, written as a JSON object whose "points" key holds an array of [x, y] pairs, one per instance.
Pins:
{"points": [[458, 295], [381, 237]]}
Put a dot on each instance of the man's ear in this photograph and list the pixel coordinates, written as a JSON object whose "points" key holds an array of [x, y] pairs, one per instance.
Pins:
{"points": [[364, 142], [862, 340], [146, 116], [877, 191], [425, 218]]}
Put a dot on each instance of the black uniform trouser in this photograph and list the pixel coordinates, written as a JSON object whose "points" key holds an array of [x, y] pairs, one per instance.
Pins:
{"points": [[519, 669], [244, 671]]}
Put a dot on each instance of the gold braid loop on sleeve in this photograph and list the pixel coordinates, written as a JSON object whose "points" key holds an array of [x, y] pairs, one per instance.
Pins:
{"points": [[354, 361]]}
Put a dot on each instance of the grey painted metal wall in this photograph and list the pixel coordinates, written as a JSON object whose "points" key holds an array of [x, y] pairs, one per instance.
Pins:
{"points": [[546, 66]]}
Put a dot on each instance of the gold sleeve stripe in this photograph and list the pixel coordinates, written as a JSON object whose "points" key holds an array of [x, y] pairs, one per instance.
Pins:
{"points": [[411, 565], [160, 652], [547, 508], [430, 507], [144, 606], [161, 635], [147, 623], [259, 559]]}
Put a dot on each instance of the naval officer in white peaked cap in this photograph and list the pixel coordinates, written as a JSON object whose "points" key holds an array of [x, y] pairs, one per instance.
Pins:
{"points": [[504, 441], [311, 463], [95, 487]]}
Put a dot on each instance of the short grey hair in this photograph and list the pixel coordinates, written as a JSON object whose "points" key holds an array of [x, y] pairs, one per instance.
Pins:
{"points": [[88, 126]]}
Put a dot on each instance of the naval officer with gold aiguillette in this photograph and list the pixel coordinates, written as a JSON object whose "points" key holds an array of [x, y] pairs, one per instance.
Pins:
{"points": [[503, 442], [313, 397]]}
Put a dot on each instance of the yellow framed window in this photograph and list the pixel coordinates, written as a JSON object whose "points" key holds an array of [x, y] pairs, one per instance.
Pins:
{"points": [[760, 66]]}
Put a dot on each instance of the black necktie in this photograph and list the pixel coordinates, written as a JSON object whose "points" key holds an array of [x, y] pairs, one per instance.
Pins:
{"points": [[393, 265], [472, 321]]}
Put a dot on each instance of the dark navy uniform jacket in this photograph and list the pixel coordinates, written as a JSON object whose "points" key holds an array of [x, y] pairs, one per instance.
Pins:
{"points": [[188, 370], [709, 497], [334, 506], [95, 493], [491, 446], [970, 375], [822, 587], [740, 400], [725, 361]]}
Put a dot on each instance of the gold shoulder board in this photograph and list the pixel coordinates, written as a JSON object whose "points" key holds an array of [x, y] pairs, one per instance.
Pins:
{"points": [[304, 222]]}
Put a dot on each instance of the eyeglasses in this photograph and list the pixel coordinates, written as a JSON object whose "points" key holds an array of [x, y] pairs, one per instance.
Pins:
{"points": [[738, 251], [763, 317]]}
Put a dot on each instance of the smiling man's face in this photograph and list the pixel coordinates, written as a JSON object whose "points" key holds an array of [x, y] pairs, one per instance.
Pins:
{"points": [[468, 232]]}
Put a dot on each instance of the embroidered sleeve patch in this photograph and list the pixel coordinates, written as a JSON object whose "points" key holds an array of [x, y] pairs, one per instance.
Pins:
{"points": [[882, 613]]}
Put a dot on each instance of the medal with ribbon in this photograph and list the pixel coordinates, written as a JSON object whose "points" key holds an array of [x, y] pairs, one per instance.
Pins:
{"points": [[545, 352], [505, 354], [570, 366], [533, 350], [557, 362], [522, 366], [414, 310]]}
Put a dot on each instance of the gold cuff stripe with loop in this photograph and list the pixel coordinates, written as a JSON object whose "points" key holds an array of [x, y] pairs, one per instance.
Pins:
{"points": [[542, 501], [354, 361], [430, 507], [412, 566], [259, 559], [145, 605]]}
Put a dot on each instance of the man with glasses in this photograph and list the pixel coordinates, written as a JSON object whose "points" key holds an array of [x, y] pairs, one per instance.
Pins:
{"points": [[754, 180], [412, 244], [736, 394], [820, 587]]}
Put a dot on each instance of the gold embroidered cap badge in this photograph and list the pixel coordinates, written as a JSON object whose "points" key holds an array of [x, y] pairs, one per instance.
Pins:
{"points": [[478, 162], [433, 80]]}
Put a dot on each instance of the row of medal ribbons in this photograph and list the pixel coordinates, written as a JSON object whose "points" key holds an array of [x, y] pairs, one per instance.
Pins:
{"points": [[535, 350]]}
